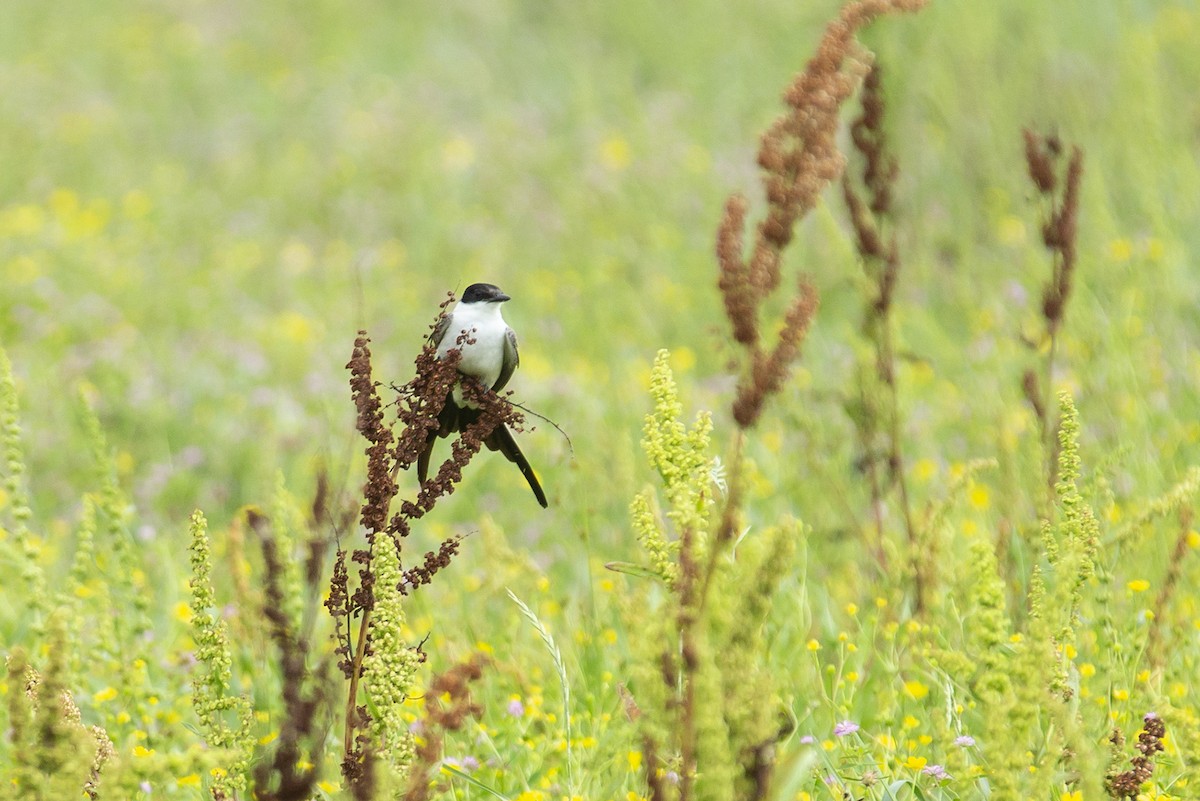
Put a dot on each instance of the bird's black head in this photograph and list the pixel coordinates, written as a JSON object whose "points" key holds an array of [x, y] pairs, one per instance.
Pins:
{"points": [[484, 293]]}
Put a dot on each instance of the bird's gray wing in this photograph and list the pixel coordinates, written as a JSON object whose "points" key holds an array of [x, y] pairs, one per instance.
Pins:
{"points": [[439, 331], [511, 360]]}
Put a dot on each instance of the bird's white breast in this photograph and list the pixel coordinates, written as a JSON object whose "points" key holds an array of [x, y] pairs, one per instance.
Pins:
{"points": [[483, 358]]}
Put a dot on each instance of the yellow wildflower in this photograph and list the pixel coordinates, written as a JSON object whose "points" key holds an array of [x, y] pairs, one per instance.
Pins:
{"points": [[979, 497], [1120, 249], [615, 154]]}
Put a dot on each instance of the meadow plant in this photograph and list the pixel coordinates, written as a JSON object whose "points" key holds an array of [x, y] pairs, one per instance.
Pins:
{"points": [[78, 590], [560, 668], [442, 716], [1128, 783], [1176, 502], [378, 492], [799, 158], [1070, 545], [295, 766], [1059, 231], [112, 553], [874, 406], [390, 667], [1021, 678], [54, 755], [707, 643], [1020, 711], [1185, 538], [378, 655], [703, 701], [28, 545], [226, 718], [279, 536], [97, 629]]}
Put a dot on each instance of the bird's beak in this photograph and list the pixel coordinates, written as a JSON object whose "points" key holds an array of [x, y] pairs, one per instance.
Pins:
{"points": [[500, 298]]}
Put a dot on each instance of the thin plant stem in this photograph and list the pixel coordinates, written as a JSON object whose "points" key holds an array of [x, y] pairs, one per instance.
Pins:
{"points": [[896, 458], [733, 501], [688, 613], [360, 652], [1049, 432]]}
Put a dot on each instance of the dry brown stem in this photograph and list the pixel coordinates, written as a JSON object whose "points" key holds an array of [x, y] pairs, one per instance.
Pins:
{"points": [[443, 716], [799, 158], [1059, 230]]}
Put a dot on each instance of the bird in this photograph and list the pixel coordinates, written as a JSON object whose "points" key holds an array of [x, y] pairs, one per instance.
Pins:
{"points": [[488, 354]]}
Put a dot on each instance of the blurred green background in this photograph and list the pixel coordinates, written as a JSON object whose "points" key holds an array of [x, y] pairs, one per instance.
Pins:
{"points": [[201, 202]]}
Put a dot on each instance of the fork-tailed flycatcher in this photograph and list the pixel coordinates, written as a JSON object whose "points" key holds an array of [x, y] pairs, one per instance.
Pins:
{"points": [[489, 355]]}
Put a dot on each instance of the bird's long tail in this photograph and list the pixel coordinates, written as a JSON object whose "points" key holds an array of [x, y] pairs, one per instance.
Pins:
{"points": [[501, 439], [454, 419]]}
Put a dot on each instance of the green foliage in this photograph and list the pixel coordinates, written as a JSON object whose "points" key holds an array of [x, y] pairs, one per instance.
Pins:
{"points": [[54, 755], [1069, 549], [225, 719], [678, 454], [287, 528], [708, 706], [27, 543], [390, 670]]}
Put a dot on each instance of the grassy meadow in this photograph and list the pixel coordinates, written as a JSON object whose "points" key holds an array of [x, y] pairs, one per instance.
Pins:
{"points": [[933, 589]]}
